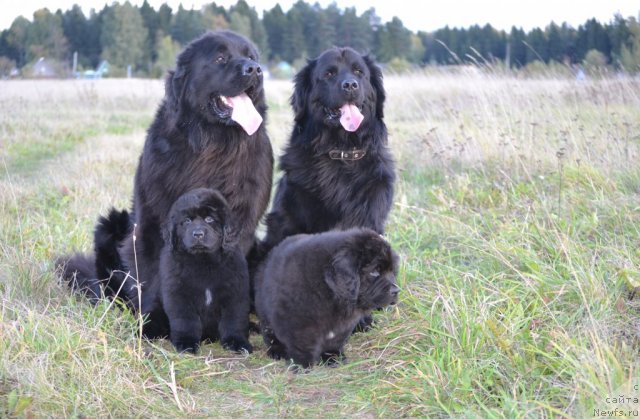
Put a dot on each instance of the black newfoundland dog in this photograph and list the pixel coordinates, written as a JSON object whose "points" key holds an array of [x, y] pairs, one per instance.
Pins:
{"points": [[337, 169], [208, 132], [204, 278], [313, 289]]}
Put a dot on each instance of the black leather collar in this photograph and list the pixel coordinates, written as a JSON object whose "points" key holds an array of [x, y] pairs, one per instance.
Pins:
{"points": [[347, 155]]}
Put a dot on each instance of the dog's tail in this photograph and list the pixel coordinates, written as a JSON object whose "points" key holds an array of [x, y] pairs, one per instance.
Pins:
{"points": [[80, 273], [109, 234]]}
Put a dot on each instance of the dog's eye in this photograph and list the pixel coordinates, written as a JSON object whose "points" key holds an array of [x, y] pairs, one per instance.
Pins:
{"points": [[221, 59], [329, 73], [187, 220], [209, 219], [374, 274], [358, 72]]}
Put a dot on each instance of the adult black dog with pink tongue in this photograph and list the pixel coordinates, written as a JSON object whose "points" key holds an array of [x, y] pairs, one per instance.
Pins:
{"points": [[208, 132], [337, 169]]}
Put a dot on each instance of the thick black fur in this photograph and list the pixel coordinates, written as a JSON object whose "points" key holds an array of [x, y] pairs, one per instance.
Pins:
{"points": [[109, 232], [313, 289], [191, 143], [204, 276], [317, 193]]}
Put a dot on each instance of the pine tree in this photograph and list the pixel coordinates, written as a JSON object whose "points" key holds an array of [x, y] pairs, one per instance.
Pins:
{"points": [[187, 25], [124, 36], [275, 21], [630, 50], [45, 37]]}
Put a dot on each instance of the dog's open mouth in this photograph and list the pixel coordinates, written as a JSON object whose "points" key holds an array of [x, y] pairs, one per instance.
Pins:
{"points": [[349, 115], [237, 108]]}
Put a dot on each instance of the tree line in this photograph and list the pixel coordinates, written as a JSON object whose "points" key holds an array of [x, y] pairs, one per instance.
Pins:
{"points": [[148, 39]]}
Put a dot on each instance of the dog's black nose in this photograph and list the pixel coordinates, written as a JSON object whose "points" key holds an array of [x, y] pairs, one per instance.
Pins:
{"points": [[350, 85], [251, 68], [198, 234]]}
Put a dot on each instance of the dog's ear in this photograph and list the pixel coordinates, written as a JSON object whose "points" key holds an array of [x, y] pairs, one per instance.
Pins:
{"points": [[376, 83], [230, 233], [303, 84], [175, 86], [229, 237], [168, 235], [342, 276]]}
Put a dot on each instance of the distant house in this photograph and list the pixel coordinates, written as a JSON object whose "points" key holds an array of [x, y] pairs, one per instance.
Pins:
{"points": [[44, 69], [102, 69]]}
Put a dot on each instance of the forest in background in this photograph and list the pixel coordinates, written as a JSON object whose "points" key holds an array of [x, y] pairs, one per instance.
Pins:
{"points": [[147, 40]]}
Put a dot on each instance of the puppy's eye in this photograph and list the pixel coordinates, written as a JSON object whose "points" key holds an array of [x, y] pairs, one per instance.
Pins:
{"points": [[221, 59], [374, 274], [358, 72], [187, 221], [329, 73], [209, 219]]}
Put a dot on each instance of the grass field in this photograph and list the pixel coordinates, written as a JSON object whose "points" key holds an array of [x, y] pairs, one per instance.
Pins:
{"points": [[517, 218]]}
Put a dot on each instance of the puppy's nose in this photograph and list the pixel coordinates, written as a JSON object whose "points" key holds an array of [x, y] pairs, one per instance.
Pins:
{"points": [[350, 85], [251, 68], [198, 234]]}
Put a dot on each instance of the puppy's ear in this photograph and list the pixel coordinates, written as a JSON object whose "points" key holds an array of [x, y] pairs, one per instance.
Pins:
{"points": [[376, 83], [342, 276], [229, 237], [302, 90], [230, 233], [167, 233]]}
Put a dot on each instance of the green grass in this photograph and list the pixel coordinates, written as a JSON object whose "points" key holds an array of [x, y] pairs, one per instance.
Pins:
{"points": [[516, 216]]}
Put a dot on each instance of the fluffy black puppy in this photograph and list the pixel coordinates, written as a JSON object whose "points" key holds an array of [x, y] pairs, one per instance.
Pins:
{"points": [[208, 132], [337, 169], [313, 289], [204, 278]]}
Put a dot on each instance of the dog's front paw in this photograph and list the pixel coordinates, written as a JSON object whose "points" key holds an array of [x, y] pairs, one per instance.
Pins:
{"points": [[186, 345], [333, 358], [365, 324], [275, 352], [237, 344]]}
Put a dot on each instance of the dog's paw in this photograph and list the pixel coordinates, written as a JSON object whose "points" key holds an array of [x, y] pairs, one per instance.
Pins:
{"points": [[237, 344], [254, 327], [333, 358], [275, 352], [365, 324], [186, 345]]}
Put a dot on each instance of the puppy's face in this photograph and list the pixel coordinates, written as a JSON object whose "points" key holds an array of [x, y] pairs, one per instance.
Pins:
{"points": [[378, 275], [364, 271], [219, 77], [196, 222], [340, 88]]}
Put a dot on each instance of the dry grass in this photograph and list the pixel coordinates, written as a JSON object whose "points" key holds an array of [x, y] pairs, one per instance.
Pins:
{"points": [[516, 218]]}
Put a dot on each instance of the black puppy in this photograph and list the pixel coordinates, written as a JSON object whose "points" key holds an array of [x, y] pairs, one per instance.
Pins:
{"points": [[313, 289], [338, 172], [203, 278]]}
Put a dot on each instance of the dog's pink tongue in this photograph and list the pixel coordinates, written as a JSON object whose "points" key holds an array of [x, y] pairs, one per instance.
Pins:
{"points": [[351, 117], [245, 114]]}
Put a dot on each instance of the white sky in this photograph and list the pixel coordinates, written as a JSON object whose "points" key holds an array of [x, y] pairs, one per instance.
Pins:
{"points": [[426, 15]]}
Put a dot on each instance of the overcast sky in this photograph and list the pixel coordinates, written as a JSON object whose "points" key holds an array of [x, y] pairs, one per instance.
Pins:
{"points": [[425, 15]]}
